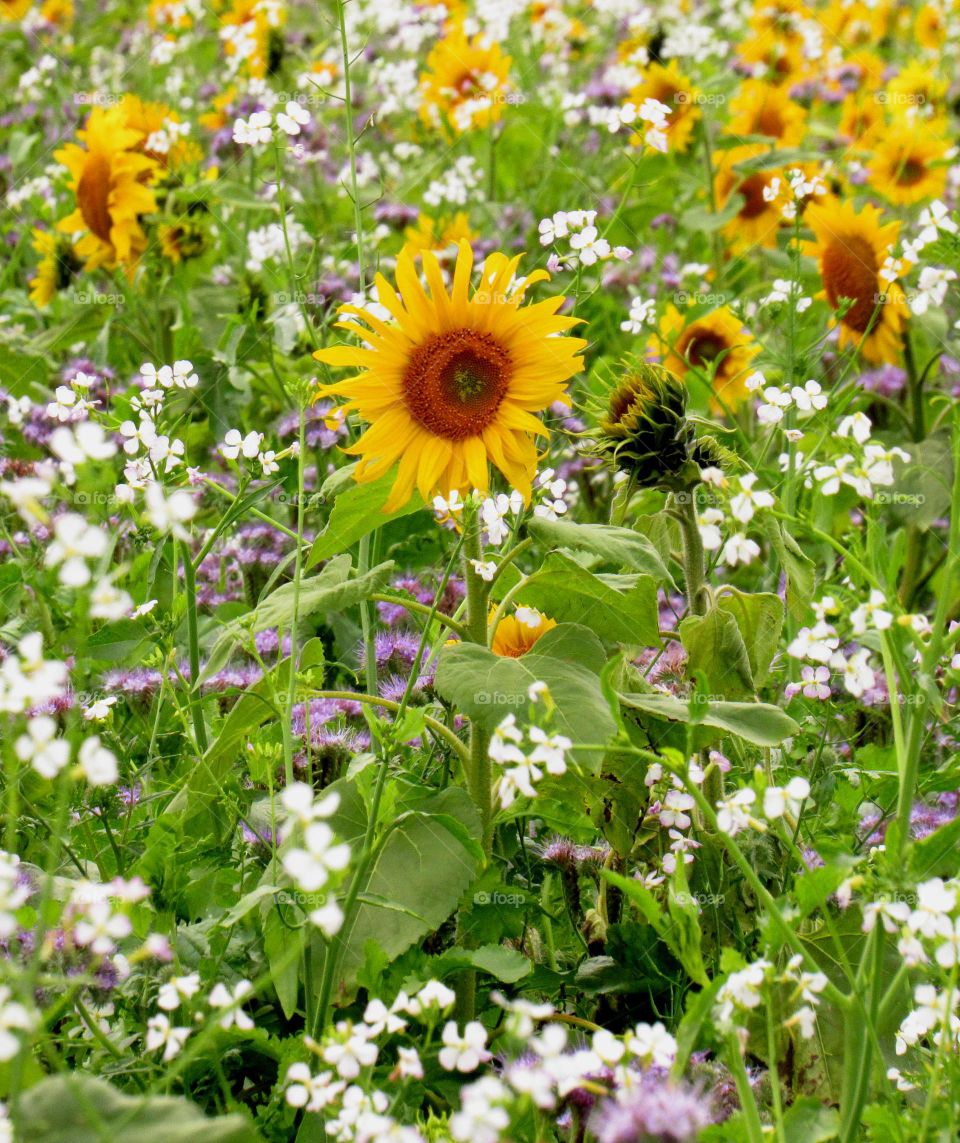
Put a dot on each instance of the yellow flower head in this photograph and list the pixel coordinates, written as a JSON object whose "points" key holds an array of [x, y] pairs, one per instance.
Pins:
{"points": [[759, 108], [851, 247], [154, 121], [668, 85], [516, 634], [437, 234], [11, 10], [759, 218], [454, 381], [715, 345], [110, 178], [909, 164], [466, 82], [56, 267]]}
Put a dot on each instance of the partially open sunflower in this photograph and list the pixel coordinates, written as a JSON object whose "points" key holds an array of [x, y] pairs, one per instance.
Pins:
{"points": [[454, 381]]}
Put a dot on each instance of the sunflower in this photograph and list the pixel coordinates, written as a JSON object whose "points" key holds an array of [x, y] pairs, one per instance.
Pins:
{"points": [[58, 13], [914, 89], [851, 247], [861, 120], [668, 85], [454, 381], [437, 234], [758, 220], [775, 40], [56, 267], [930, 27], [516, 634], [908, 164], [184, 239], [109, 181], [759, 108], [251, 28], [715, 345], [11, 10], [466, 83], [155, 121]]}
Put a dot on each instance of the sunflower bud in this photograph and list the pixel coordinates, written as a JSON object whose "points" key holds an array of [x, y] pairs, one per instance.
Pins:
{"points": [[645, 430]]}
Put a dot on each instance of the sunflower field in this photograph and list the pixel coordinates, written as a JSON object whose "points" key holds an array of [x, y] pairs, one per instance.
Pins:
{"points": [[480, 580]]}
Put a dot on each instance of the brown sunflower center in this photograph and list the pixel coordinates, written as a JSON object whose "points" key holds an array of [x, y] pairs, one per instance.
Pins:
{"points": [[910, 172], [849, 270], [754, 204], [93, 196], [704, 349], [769, 121], [455, 381]]}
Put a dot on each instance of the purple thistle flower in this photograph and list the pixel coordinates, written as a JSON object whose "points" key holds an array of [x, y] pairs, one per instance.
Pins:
{"points": [[655, 1110]]}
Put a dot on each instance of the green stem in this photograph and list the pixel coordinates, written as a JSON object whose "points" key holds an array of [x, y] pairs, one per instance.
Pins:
{"points": [[196, 708], [858, 1048], [694, 564], [295, 616], [480, 774], [748, 1101]]}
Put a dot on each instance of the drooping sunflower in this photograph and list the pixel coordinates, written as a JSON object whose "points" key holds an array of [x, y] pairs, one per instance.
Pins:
{"points": [[454, 381], [851, 248], [759, 108], [111, 182], [668, 85], [716, 345], [909, 164], [466, 83], [759, 218], [516, 634]]}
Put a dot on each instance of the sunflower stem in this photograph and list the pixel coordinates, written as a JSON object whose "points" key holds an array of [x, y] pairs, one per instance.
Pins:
{"points": [[479, 772], [479, 775], [694, 564]]}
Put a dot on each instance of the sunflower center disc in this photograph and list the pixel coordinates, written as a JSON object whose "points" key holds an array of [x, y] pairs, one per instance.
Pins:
{"points": [[93, 193], [454, 383], [850, 271]]}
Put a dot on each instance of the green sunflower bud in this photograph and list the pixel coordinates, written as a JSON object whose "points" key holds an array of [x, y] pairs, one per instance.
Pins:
{"points": [[645, 430]]}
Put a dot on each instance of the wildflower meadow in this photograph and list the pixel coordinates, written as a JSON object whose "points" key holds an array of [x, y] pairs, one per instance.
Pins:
{"points": [[479, 571]]}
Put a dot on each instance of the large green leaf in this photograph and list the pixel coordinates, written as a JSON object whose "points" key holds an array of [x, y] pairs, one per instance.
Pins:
{"points": [[757, 722], [797, 567], [331, 591], [569, 593], [759, 617], [357, 511], [422, 868], [716, 651], [619, 546], [74, 1108], [486, 687]]}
